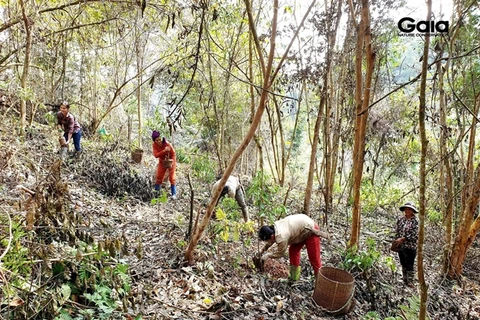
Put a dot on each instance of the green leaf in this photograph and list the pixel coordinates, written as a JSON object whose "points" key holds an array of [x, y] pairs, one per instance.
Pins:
{"points": [[224, 235], [65, 292], [220, 214]]}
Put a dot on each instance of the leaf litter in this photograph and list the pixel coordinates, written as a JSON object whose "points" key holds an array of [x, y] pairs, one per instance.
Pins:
{"points": [[223, 283]]}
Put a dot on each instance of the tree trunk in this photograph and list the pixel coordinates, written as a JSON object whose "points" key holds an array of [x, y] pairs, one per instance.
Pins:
{"points": [[446, 179], [313, 157], [468, 227], [423, 158], [332, 27], [139, 50], [362, 102], [26, 67], [267, 82], [330, 137]]}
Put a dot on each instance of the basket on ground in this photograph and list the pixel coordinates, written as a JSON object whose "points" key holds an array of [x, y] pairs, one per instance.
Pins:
{"points": [[137, 155], [334, 290]]}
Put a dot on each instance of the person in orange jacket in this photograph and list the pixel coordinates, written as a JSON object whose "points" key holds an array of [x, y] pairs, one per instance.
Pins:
{"points": [[163, 150]]}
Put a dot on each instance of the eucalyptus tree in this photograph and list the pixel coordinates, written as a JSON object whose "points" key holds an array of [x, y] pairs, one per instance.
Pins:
{"points": [[327, 28], [463, 74], [269, 74], [363, 87], [424, 142]]}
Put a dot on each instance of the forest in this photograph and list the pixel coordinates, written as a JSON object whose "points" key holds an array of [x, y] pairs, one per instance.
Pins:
{"points": [[341, 110]]}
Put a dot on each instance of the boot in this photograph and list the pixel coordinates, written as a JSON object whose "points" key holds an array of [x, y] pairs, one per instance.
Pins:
{"points": [[173, 189], [404, 276], [410, 277], [294, 273], [157, 187]]}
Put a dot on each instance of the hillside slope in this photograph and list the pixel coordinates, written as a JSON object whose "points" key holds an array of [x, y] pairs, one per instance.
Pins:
{"points": [[82, 240]]}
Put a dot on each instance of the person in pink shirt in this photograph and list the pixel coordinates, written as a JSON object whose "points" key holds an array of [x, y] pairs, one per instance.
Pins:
{"points": [[67, 123]]}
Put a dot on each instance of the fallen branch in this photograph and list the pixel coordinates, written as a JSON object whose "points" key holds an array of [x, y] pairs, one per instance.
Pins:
{"points": [[30, 192]]}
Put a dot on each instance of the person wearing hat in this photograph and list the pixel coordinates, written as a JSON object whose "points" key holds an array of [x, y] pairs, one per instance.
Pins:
{"points": [[234, 189], [295, 231], [163, 150], [406, 240]]}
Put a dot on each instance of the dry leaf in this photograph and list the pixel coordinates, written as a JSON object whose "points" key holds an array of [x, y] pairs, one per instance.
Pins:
{"points": [[16, 302], [279, 306]]}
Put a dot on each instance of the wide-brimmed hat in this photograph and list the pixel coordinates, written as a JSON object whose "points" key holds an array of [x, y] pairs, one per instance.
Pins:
{"points": [[409, 205]]}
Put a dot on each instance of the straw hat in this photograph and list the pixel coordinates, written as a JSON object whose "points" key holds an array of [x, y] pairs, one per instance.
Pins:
{"points": [[409, 205]]}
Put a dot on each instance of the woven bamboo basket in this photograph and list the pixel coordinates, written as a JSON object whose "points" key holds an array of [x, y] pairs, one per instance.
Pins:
{"points": [[334, 290], [137, 155], [167, 163]]}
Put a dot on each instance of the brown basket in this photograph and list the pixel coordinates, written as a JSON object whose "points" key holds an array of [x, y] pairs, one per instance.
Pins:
{"points": [[137, 155], [334, 290], [63, 142], [395, 246], [167, 163]]}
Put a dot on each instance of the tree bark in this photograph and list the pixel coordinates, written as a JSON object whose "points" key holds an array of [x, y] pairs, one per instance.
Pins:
{"points": [[139, 50], [424, 143], [267, 82], [446, 178], [468, 226], [362, 101], [26, 67]]}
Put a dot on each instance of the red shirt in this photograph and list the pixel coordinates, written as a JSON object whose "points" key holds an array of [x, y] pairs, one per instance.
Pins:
{"points": [[159, 151]]}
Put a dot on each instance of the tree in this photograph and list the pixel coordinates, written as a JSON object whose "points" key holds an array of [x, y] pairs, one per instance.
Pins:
{"points": [[362, 101], [268, 79], [424, 142], [469, 226], [26, 66], [467, 177], [332, 19]]}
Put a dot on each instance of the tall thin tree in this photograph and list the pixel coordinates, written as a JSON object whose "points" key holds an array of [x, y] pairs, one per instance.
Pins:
{"points": [[424, 143], [26, 66], [269, 75], [362, 100]]}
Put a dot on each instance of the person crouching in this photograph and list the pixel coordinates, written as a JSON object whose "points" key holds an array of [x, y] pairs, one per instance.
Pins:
{"points": [[234, 189], [295, 231]]}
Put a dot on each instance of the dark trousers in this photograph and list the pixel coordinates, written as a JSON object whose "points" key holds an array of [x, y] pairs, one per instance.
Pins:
{"points": [[76, 137], [407, 258]]}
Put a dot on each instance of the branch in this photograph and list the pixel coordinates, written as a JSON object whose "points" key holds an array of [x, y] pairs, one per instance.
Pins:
{"points": [[13, 22], [258, 87], [293, 39], [253, 31], [417, 77], [197, 57]]}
